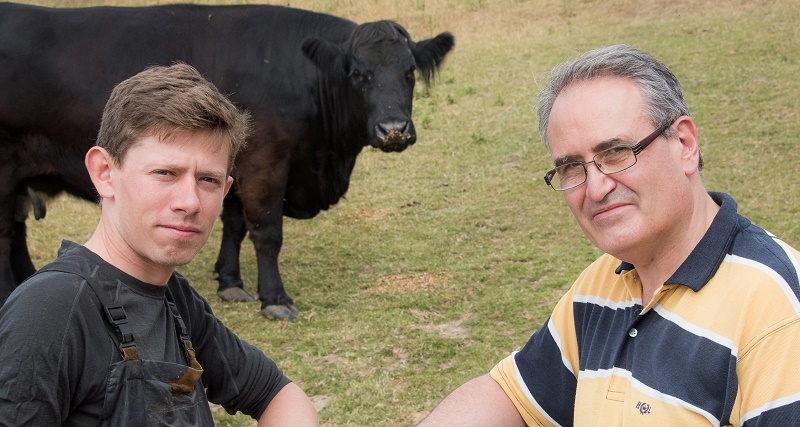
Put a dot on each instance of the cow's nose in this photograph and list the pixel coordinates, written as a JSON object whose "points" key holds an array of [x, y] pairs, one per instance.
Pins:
{"points": [[392, 130]]}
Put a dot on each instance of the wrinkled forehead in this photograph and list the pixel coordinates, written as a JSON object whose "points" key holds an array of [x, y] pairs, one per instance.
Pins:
{"points": [[590, 112]]}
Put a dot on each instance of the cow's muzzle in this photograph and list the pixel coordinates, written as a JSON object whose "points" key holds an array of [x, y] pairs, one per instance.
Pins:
{"points": [[395, 135]]}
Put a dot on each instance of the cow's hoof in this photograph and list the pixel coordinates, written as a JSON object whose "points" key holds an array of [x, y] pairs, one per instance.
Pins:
{"points": [[280, 312], [235, 294]]}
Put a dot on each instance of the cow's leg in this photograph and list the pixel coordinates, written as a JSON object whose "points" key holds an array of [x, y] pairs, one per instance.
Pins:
{"points": [[226, 269], [7, 282], [261, 176], [267, 237], [21, 265]]}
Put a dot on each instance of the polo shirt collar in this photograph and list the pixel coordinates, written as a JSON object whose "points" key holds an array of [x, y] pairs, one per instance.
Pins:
{"points": [[705, 259]]}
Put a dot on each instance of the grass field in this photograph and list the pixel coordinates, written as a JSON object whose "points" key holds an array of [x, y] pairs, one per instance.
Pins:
{"points": [[445, 258]]}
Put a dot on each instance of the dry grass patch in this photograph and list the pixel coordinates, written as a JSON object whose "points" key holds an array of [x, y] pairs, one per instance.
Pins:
{"points": [[454, 330], [399, 284]]}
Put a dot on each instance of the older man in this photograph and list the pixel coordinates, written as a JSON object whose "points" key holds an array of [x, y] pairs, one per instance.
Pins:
{"points": [[691, 317]]}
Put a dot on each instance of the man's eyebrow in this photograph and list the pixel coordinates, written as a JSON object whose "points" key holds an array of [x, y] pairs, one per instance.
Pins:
{"points": [[603, 145], [570, 158], [220, 174], [612, 142]]}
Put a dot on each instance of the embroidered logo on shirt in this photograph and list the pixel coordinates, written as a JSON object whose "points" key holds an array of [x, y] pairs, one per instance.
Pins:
{"points": [[644, 408]]}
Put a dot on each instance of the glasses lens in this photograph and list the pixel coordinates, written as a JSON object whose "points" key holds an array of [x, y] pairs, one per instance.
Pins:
{"points": [[568, 175], [615, 159]]}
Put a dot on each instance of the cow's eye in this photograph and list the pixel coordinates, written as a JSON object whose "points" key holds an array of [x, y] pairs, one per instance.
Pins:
{"points": [[410, 73], [361, 77]]}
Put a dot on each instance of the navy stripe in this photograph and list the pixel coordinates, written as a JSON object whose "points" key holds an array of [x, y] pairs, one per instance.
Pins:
{"points": [[787, 415], [553, 386], [676, 362], [601, 333], [662, 356], [754, 243]]}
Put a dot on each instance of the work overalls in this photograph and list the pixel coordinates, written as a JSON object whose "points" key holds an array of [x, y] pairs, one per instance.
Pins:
{"points": [[146, 392]]}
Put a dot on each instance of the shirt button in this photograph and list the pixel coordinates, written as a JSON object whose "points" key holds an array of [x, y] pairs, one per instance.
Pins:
{"points": [[633, 332]]}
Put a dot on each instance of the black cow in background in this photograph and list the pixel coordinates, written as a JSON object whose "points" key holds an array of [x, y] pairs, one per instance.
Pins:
{"points": [[319, 88]]}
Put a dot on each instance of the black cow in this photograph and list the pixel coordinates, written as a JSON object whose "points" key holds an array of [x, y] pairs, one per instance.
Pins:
{"points": [[319, 88]]}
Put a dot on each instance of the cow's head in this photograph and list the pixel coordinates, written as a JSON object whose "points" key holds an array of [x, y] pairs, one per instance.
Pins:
{"points": [[378, 64]]}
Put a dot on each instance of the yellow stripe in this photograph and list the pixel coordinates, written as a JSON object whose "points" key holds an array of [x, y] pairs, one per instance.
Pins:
{"points": [[767, 370]]}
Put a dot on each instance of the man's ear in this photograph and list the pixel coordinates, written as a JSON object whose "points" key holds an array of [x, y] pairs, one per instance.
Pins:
{"points": [[685, 131], [228, 184], [100, 164]]}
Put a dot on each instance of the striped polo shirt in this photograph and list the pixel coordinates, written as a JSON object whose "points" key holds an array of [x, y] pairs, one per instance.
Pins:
{"points": [[719, 344]]}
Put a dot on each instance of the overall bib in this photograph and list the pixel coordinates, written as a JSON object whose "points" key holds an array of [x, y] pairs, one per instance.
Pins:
{"points": [[146, 392]]}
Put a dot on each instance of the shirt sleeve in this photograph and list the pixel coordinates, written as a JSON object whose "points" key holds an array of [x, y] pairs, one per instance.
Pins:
{"points": [[769, 379], [236, 374], [44, 339], [540, 379]]}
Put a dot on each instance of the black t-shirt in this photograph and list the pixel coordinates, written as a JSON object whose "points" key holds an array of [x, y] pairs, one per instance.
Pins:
{"points": [[56, 348]]}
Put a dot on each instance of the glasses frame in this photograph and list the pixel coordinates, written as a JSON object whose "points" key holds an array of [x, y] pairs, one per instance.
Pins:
{"points": [[636, 148]]}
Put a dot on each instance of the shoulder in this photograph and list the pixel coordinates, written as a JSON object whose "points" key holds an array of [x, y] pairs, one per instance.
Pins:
{"points": [[53, 345], [52, 306], [47, 295], [764, 250]]}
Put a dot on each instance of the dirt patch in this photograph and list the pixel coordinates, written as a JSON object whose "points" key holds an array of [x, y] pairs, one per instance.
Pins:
{"points": [[320, 401], [361, 215], [455, 330], [405, 283]]}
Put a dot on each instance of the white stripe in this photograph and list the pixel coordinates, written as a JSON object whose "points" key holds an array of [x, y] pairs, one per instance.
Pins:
{"points": [[557, 339], [790, 253], [615, 305], [696, 330], [770, 405], [602, 373], [672, 400], [772, 274], [527, 392]]}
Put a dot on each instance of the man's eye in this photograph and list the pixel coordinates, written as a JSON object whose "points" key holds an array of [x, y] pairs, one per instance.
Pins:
{"points": [[616, 155], [570, 168], [211, 180]]}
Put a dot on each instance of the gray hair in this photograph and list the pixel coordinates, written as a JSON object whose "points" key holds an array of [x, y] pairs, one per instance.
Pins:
{"points": [[661, 90]]}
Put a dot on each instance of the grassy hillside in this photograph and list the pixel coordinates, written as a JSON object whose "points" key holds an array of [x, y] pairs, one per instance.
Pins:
{"points": [[446, 257]]}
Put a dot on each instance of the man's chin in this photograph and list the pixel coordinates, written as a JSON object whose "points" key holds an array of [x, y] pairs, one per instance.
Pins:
{"points": [[176, 257]]}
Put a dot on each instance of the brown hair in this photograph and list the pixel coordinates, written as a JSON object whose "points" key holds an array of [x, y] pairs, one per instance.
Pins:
{"points": [[160, 101]]}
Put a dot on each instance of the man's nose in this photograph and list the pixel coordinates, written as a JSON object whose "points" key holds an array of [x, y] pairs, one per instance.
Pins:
{"points": [[598, 184], [186, 196]]}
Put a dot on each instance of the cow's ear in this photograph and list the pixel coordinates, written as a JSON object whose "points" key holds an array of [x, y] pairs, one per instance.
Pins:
{"points": [[325, 55], [430, 53]]}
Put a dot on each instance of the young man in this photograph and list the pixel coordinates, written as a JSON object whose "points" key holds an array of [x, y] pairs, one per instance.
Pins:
{"points": [[109, 333], [691, 317]]}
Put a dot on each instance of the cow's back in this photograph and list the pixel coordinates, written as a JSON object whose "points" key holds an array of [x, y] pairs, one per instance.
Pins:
{"points": [[58, 67], [74, 57]]}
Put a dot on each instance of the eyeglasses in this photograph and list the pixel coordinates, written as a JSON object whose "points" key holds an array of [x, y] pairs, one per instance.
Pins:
{"points": [[613, 160]]}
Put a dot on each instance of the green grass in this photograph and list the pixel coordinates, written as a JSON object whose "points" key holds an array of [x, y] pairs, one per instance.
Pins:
{"points": [[443, 259]]}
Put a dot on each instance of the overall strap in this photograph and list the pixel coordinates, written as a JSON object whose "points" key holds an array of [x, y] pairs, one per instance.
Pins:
{"points": [[115, 314], [180, 328]]}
